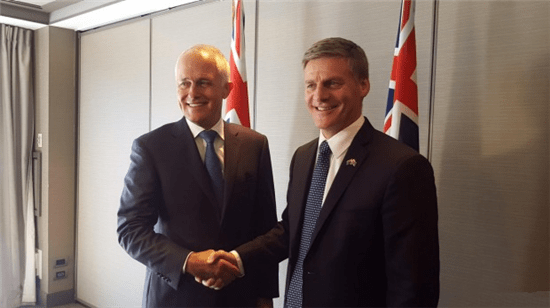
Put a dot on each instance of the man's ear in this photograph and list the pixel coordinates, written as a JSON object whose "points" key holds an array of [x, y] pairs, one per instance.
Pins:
{"points": [[365, 87], [228, 88]]}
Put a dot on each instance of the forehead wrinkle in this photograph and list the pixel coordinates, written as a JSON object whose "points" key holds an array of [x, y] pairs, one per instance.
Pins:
{"points": [[322, 76]]}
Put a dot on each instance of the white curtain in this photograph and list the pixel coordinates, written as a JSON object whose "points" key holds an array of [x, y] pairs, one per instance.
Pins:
{"points": [[17, 274]]}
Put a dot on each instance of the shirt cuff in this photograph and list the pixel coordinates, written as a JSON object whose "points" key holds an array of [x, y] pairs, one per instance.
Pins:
{"points": [[185, 263], [239, 261]]}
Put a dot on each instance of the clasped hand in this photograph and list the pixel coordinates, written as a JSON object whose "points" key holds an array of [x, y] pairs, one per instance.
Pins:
{"points": [[214, 269]]}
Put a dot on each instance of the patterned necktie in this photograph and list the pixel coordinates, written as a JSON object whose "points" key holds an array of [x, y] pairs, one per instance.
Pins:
{"points": [[313, 208], [213, 165]]}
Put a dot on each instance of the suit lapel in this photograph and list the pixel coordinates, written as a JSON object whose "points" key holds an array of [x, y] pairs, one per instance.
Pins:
{"points": [[186, 149], [301, 177], [357, 151], [232, 145]]}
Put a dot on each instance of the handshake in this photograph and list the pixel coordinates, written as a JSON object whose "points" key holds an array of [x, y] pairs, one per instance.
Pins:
{"points": [[214, 269]]}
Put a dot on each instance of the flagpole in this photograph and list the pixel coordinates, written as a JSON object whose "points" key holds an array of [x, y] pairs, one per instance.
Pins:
{"points": [[254, 100], [432, 79]]}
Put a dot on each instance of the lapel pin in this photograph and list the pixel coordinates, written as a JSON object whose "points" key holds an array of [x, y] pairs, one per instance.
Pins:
{"points": [[351, 162]]}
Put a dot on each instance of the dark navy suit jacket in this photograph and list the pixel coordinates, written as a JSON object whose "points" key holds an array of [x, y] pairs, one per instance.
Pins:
{"points": [[375, 243], [168, 209]]}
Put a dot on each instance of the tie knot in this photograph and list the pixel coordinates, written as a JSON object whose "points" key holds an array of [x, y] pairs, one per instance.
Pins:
{"points": [[208, 135], [324, 149]]}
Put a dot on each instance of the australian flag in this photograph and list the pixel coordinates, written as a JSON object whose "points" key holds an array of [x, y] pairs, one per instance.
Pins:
{"points": [[401, 121]]}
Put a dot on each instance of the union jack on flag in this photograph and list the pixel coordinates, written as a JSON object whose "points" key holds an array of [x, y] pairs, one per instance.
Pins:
{"points": [[236, 106], [401, 120]]}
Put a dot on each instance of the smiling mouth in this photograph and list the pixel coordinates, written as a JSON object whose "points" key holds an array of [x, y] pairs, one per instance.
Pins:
{"points": [[325, 108], [195, 104]]}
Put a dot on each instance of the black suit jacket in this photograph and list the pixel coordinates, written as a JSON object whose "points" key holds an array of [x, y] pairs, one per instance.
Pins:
{"points": [[375, 243], [168, 209]]}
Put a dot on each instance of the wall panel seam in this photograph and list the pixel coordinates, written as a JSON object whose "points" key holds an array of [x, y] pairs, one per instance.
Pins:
{"points": [[432, 78]]}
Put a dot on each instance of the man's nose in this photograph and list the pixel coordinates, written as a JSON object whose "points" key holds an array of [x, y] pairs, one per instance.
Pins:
{"points": [[194, 91], [321, 94]]}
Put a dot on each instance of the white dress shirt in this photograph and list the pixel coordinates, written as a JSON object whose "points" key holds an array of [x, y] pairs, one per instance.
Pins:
{"points": [[339, 145], [201, 143]]}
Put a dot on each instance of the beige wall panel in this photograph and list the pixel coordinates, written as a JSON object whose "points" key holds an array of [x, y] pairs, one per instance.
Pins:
{"points": [[61, 162], [286, 29], [42, 126], [177, 31], [491, 152], [114, 110]]}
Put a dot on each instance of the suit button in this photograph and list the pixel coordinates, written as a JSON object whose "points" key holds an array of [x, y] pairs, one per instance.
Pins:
{"points": [[310, 273]]}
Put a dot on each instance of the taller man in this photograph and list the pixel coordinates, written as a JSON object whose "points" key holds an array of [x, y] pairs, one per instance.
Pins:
{"points": [[360, 227], [187, 192]]}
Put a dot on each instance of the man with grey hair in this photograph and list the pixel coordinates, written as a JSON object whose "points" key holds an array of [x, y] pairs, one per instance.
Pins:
{"points": [[196, 185], [360, 227]]}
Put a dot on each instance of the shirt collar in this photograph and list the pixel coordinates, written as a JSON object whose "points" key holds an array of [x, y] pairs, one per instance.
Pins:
{"points": [[196, 129], [340, 142]]}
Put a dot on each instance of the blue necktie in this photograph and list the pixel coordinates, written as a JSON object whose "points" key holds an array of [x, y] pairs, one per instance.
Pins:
{"points": [[213, 165], [313, 208]]}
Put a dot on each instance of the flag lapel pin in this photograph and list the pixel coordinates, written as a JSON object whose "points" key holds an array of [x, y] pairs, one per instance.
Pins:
{"points": [[351, 162]]}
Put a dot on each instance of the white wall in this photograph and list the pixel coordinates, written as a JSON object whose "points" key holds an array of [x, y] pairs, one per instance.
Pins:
{"points": [[490, 139], [114, 109]]}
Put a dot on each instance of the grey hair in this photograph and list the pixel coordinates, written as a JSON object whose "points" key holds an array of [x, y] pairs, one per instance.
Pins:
{"points": [[337, 47], [209, 52]]}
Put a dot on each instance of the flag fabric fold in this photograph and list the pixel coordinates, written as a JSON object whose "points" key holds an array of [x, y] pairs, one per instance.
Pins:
{"points": [[401, 121], [237, 101]]}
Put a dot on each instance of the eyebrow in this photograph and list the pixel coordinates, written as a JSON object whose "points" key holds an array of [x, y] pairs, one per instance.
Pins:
{"points": [[334, 78], [198, 79]]}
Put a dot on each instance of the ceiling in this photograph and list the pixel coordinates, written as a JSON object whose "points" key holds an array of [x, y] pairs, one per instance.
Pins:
{"points": [[42, 5], [80, 15]]}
